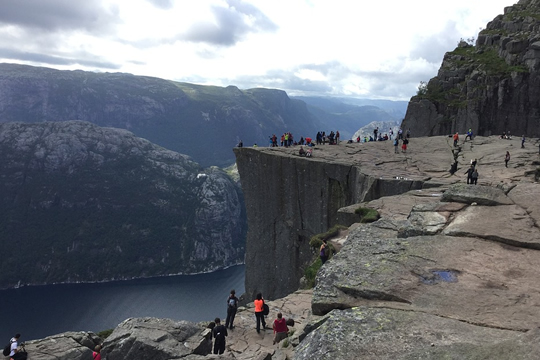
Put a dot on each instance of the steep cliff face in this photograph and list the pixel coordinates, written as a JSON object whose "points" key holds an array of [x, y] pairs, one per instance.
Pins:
{"points": [[84, 203], [204, 122], [491, 87], [289, 199]]}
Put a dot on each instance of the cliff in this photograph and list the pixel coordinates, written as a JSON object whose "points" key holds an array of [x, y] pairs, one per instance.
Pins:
{"points": [[74, 195], [491, 87], [291, 198]]}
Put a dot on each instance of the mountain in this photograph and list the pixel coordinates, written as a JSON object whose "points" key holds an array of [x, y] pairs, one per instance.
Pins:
{"points": [[84, 203], [490, 87], [348, 115], [204, 122], [384, 127]]}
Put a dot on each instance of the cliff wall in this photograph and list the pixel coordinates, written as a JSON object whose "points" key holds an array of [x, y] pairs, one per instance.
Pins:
{"points": [[290, 198], [490, 87]]}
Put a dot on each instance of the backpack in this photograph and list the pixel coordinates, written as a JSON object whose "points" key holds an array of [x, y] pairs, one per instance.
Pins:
{"points": [[232, 302], [7, 350], [266, 309]]}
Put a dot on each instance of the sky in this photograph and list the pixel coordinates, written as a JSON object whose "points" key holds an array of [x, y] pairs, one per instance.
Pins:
{"points": [[344, 48]]}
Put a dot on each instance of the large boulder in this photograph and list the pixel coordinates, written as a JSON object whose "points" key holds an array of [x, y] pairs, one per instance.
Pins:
{"points": [[378, 333], [482, 195], [152, 338], [65, 346]]}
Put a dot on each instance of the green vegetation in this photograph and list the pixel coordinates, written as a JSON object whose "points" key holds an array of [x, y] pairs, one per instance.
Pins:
{"points": [[105, 333], [367, 215], [487, 60], [311, 272], [316, 240]]}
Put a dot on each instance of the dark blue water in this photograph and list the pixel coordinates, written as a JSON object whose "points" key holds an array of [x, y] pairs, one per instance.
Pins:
{"points": [[40, 311]]}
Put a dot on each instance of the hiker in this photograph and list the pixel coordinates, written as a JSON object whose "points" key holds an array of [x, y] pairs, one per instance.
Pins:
{"points": [[96, 354], [506, 159], [14, 344], [469, 173], [324, 251], [219, 333], [240, 144], [400, 134], [456, 139], [408, 133], [301, 151], [474, 162], [337, 137], [469, 135], [391, 132], [232, 306], [280, 328], [523, 141], [404, 145], [309, 152], [396, 144], [375, 131], [474, 176], [453, 168], [259, 312]]}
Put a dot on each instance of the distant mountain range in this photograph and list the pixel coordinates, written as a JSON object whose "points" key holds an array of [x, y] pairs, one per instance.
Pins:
{"points": [[204, 122], [348, 115]]}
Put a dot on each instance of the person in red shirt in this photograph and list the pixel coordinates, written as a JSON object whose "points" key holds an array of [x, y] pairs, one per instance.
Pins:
{"points": [[96, 354], [280, 328], [259, 312]]}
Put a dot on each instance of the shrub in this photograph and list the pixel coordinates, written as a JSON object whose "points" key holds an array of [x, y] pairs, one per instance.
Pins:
{"points": [[311, 272], [367, 215], [105, 333], [316, 240]]}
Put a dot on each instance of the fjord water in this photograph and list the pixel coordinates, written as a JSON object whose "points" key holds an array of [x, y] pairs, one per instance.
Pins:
{"points": [[40, 311]]}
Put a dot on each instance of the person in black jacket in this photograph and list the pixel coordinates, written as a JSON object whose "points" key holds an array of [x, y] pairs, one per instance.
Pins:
{"points": [[232, 306], [219, 332]]}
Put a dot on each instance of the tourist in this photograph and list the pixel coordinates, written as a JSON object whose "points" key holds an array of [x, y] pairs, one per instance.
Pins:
{"points": [[474, 176], [301, 151], [232, 306], [404, 145], [400, 134], [469, 173], [337, 137], [324, 251], [14, 344], [506, 159], [522, 141], [96, 354], [259, 312], [375, 133], [240, 144], [219, 333], [391, 132], [456, 139], [474, 162], [280, 328], [396, 144], [469, 135], [408, 133]]}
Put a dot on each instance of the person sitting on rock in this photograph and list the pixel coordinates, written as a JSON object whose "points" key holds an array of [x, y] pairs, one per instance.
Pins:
{"points": [[309, 152], [301, 151], [281, 330]]}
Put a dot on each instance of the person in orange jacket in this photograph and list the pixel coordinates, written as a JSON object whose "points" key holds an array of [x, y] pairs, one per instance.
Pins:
{"points": [[259, 312]]}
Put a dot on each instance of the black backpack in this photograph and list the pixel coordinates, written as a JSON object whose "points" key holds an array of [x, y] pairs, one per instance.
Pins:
{"points": [[7, 350], [266, 309]]}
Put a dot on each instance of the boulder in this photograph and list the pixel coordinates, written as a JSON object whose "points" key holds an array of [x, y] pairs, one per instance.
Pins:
{"points": [[378, 333], [152, 338], [65, 346], [482, 195]]}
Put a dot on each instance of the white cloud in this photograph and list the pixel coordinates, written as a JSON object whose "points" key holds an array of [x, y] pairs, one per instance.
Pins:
{"points": [[349, 47]]}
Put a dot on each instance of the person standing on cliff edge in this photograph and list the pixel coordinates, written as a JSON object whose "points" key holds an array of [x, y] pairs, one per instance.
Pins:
{"points": [[232, 306], [506, 159]]}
